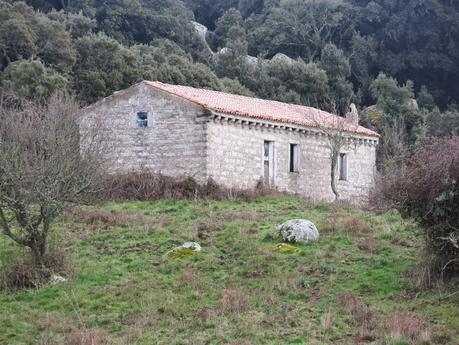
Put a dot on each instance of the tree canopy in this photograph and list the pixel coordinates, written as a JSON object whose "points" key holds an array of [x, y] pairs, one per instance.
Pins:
{"points": [[398, 61]]}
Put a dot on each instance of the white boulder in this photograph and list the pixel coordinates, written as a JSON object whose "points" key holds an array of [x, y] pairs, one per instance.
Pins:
{"points": [[298, 230]]}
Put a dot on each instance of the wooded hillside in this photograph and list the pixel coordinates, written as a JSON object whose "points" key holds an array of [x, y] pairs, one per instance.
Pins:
{"points": [[397, 60]]}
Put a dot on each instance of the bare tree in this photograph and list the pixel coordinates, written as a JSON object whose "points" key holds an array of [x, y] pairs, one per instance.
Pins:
{"points": [[336, 142], [337, 138], [43, 168]]}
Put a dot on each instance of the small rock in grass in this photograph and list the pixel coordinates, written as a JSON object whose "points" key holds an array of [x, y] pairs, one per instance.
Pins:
{"points": [[56, 279], [298, 230], [186, 249], [194, 245]]}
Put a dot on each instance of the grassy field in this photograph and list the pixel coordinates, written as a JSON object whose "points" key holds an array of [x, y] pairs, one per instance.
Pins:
{"points": [[352, 286]]}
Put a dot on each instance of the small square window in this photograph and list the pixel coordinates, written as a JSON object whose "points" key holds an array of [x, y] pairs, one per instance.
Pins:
{"points": [[293, 166], [142, 119], [342, 165]]}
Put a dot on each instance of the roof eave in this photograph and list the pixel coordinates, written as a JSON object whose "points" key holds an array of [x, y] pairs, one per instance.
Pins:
{"points": [[245, 119]]}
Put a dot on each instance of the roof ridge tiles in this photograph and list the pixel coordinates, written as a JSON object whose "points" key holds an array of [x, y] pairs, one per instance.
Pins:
{"points": [[269, 110]]}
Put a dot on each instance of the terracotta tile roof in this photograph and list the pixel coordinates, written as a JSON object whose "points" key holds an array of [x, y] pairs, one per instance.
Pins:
{"points": [[257, 108]]}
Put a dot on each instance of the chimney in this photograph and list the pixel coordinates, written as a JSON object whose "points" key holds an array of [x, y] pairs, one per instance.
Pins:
{"points": [[353, 115]]}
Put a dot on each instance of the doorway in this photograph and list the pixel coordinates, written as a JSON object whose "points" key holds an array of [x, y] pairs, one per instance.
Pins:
{"points": [[268, 163]]}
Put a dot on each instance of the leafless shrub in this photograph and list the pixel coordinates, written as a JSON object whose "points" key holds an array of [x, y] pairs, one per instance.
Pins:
{"points": [[424, 186], [23, 272], [97, 216], [233, 300], [150, 186], [43, 168], [405, 325]]}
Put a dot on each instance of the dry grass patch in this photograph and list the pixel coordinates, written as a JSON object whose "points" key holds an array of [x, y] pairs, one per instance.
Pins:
{"points": [[246, 214], [405, 325], [193, 279], [360, 314], [367, 244], [60, 331], [204, 228], [327, 318], [87, 336], [345, 224], [97, 216], [233, 300], [204, 314], [354, 225]]}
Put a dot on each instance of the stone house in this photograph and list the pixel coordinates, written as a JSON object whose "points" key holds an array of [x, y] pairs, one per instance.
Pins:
{"points": [[235, 140]]}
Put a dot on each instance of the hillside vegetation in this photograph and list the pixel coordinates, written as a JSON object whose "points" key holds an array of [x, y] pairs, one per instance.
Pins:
{"points": [[356, 284], [397, 60]]}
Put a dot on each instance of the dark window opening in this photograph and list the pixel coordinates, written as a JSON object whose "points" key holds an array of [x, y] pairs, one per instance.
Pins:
{"points": [[293, 166], [342, 166], [142, 119]]}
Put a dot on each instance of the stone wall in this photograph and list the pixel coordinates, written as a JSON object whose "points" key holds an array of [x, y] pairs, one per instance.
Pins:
{"points": [[174, 143], [235, 159], [182, 139]]}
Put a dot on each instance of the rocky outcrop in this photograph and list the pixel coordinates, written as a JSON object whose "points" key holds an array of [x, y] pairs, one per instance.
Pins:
{"points": [[252, 61], [201, 31], [279, 57]]}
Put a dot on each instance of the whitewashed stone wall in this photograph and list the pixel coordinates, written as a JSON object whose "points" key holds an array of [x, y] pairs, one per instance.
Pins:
{"points": [[174, 143], [235, 159]]}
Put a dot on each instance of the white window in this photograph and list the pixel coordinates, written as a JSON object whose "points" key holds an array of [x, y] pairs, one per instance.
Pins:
{"points": [[142, 119], [268, 163], [294, 159], [266, 150], [342, 166]]}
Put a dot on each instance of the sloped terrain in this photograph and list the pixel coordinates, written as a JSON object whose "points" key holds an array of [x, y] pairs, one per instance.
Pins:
{"points": [[354, 285]]}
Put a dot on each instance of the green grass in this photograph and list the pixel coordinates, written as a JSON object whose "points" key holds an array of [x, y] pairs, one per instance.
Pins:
{"points": [[240, 289]]}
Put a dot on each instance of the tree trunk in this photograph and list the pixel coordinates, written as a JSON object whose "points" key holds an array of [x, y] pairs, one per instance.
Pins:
{"points": [[40, 248], [333, 177], [40, 244]]}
